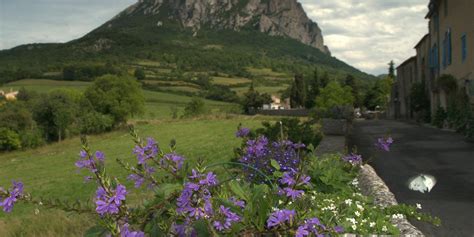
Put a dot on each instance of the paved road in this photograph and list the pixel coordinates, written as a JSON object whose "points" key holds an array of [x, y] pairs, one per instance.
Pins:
{"points": [[417, 150]]}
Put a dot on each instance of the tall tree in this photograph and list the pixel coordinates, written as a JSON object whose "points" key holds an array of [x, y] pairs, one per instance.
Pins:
{"points": [[324, 81], [313, 89], [391, 69], [120, 97], [254, 100], [352, 83], [298, 92]]}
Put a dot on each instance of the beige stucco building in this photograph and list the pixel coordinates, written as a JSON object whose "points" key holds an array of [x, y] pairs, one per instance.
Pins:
{"points": [[448, 48]]}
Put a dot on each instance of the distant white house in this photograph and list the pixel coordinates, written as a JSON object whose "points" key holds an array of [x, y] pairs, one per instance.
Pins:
{"points": [[277, 104], [10, 95]]}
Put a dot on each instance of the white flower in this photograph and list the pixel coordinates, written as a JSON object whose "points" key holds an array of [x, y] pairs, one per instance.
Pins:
{"points": [[37, 211], [360, 207], [348, 202], [372, 224], [313, 198], [384, 228], [364, 220], [357, 213], [280, 202], [355, 182], [351, 220], [397, 216], [354, 227], [418, 206]]}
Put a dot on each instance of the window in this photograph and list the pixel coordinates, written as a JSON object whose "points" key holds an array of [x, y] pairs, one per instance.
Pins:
{"points": [[464, 48]]}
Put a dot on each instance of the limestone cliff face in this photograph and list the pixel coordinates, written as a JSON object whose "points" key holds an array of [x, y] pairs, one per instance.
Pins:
{"points": [[274, 17]]}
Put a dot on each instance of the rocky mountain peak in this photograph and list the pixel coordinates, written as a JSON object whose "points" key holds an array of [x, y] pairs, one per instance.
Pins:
{"points": [[273, 17]]}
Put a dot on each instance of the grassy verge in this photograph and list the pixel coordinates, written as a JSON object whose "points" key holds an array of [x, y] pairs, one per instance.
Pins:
{"points": [[49, 171]]}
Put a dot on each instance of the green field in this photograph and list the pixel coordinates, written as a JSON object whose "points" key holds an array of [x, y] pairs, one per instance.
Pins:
{"points": [[158, 105], [49, 171], [272, 90], [45, 85], [229, 81]]}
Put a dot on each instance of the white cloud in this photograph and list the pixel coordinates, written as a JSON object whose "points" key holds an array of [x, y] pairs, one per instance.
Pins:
{"points": [[369, 33]]}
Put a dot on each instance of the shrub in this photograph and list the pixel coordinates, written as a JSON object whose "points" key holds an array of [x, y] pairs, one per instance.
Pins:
{"points": [[420, 102], [9, 140], [119, 97], [194, 108], [94, 122], [439, 117], [292, 129], [139, 74]]}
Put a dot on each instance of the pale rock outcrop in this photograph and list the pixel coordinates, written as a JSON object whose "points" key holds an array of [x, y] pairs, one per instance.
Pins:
{"points": [[274, 17]]}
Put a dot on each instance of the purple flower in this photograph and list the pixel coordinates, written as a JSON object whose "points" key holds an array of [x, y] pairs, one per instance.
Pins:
{"points": [[138, 179], [184, 230], [194, 200], [237, 202], [149, 151], [287, 179], [172, 161], [209, 180], [125, 232], [353, 159], [315, 227], [228, 217], [384, 143], [293, 193], [89, 162], [242, 132], [110, 203], [279, 217], [258, 154], [14, 194]]}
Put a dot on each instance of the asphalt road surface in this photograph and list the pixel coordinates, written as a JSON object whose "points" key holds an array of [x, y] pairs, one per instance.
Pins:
{"points": [[421, 150]]}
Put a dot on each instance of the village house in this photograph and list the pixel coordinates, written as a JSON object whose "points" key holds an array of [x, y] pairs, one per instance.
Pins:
{"points": [[448, 49], [277, 104], [10, 96]]}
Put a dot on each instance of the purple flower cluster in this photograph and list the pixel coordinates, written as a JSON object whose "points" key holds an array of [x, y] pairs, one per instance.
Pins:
{"points": [[225, 222], [125, 232], [172, 162], [139, 177], [242, 132], [353, 159], [238, 203], [90, 162], [109, 203], [279, 217], [292, 181], [195, 199], [314, 226], [384, 143], [184, 230], [258, 153], [149, 151], [13, 195]]}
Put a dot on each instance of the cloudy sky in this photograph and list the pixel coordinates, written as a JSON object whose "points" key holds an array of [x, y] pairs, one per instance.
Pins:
{"points": [[364, 33]]}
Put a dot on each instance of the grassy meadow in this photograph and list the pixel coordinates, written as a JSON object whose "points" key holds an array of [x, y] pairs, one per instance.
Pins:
{"points": [[49, 171]]}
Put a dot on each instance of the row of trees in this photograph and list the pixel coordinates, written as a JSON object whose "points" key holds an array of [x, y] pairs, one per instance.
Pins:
{"points": [[35, 119]]}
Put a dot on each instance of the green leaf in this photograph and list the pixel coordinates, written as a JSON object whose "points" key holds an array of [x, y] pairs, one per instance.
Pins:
{"points": [[96, 231], [238, 190], [275, 164], [278, 174], [201, 228]]}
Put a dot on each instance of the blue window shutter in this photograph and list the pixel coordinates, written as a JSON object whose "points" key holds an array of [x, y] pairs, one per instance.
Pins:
{"points": [[464, 47], [444, 52], [449, 48]]}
